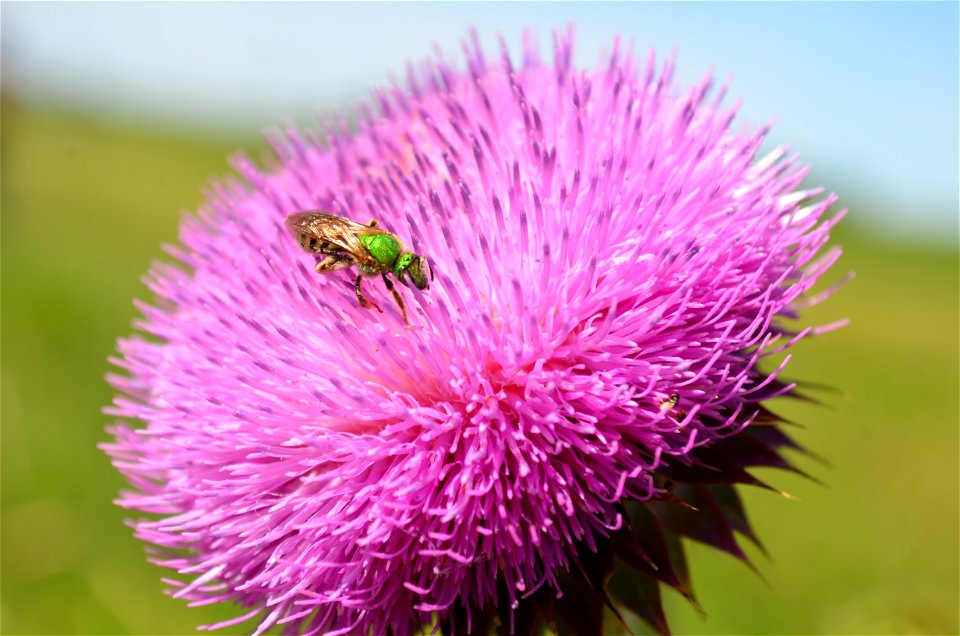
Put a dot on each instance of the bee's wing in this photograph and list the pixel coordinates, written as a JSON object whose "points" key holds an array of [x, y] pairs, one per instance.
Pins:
{"points": [[329, 228]]}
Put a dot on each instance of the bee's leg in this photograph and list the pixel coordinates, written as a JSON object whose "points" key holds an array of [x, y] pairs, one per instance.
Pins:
{"points": [[396, 296], [332, 263], [373, 223], [363, 301]]}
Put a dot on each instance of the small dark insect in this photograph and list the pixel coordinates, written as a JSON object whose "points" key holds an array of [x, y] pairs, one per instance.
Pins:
{"points": [[374, 251], [669, 403]]}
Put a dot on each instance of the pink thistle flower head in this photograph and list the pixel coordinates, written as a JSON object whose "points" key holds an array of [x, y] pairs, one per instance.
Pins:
{"points": [[579, 386]]}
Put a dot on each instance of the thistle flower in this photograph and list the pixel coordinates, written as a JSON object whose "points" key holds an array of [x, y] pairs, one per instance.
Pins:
{"points": [[580, 386]]}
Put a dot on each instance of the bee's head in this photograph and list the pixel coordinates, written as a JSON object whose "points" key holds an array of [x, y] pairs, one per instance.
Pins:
{"points": [[412, 265]]}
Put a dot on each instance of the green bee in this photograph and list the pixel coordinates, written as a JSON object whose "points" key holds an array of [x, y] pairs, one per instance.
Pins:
{"points": [[374, 251]]}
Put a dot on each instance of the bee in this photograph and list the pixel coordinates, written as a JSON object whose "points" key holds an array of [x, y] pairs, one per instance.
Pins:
{"points": [[669, 403], [373, 250]]}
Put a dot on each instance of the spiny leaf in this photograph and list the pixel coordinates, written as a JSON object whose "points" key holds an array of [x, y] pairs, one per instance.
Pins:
{"points": [[708, 523], [640, 594]]}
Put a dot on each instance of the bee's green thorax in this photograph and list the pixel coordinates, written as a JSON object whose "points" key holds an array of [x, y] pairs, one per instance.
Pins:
{"points": [[383, 247]]}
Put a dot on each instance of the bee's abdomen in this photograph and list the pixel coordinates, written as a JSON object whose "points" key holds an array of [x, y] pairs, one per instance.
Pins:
{"points": [[313, 244]]}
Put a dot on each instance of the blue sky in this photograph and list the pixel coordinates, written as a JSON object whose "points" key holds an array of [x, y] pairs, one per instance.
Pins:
{"points": [[867, 92]]}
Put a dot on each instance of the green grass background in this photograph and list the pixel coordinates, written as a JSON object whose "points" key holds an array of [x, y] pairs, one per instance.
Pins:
{"points": [[85, 207]]}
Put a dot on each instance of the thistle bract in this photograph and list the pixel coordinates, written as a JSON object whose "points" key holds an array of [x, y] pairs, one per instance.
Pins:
{"points": [[580, 385]]}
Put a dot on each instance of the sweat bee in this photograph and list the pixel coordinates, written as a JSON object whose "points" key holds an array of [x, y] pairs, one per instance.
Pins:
{"points": [[670, 402], [373, 250]]}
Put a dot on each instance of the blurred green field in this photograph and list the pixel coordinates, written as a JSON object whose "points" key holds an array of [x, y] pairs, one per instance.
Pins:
{"points": [[85, 208]]}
